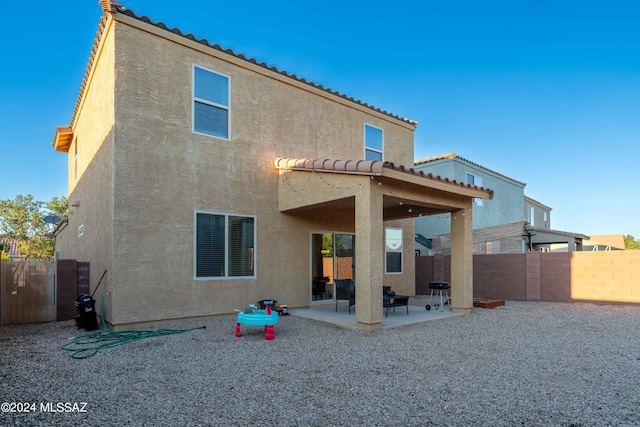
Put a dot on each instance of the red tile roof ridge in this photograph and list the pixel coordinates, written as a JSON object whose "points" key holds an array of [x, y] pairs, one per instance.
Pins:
{"points": [[119, 8], [111, 6], [338, 165], [363, 166]]}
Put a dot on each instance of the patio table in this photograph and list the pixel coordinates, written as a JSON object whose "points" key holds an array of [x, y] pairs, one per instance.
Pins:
{"points": [[393, 301]]}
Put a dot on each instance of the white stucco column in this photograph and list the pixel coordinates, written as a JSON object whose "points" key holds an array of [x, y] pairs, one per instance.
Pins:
{"points": [[369, 259], [462, 261]]}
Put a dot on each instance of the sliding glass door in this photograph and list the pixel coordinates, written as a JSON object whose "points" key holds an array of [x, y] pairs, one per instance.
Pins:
{"points": [[332, 258]]}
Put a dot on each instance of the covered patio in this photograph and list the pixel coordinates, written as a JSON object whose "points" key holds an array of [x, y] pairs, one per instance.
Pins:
{"points": [[342, 319], [366, 194]]}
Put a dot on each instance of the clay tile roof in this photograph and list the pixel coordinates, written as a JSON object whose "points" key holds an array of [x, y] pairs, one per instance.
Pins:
{"points": [[12, 245], [455, 156], [111, 6], [363, 167], [330, 165], [116, 7]]}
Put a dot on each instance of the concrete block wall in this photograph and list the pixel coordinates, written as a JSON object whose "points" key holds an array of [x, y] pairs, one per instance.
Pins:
{"points": [[611, 276], [500, 276], [555, 275]]}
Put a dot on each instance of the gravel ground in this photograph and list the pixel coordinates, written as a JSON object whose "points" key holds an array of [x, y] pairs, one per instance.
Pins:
{"points": [[524, 364]]}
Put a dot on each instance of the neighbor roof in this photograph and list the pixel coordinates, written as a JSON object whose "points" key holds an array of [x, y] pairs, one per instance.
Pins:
{"points": [[535, 202], [558, 232], [114, 7], [12, 246], [453, 155]]}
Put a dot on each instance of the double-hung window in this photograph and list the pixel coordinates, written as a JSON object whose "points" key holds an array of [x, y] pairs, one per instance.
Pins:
{"points": [[393, 250], [475, 180], [373, 142], [531, 215], [224, 245], [210, 103]]}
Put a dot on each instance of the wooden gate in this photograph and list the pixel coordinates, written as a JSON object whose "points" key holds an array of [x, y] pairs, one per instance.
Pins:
{"points": [[27, 292], [72, 281]]}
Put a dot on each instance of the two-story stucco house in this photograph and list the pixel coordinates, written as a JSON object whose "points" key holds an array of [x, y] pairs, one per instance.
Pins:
{"points": [[202, 181], [511, 222]]}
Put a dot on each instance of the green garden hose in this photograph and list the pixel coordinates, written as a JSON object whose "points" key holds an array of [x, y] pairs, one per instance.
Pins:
{"points": [[83, 346]]}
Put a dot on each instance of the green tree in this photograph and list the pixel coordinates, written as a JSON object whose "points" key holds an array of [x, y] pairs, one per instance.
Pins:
{"points": [[630, 242], [4, 252], [23, 220], [58, 206], [327, 245]]}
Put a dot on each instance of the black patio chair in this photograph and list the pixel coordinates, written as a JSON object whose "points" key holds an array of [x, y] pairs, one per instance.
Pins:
{"points": [[345, 290]]}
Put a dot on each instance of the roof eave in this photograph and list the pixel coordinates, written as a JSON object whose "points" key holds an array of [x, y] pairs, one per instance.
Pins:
{"points": [[62, 139]]}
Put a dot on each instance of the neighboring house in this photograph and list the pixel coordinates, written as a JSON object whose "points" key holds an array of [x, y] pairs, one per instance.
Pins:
{"points": [[605, 242], [537, 214], [511, 222], [200, 180], [11, 247]]}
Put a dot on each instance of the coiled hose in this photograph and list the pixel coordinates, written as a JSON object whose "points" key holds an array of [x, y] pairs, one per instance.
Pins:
{"points": [[84, 346]]}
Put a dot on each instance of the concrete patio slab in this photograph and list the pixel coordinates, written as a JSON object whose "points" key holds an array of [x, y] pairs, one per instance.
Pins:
{"points": [[342, 319]]}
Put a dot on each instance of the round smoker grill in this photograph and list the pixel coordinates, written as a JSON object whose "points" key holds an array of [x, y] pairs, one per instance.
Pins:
{"points": [[441, 289]]}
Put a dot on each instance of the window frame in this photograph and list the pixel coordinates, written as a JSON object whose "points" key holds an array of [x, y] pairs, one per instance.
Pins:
{"points": [[371, 149], [476, 201], [388, 250], [226, 216], [75, 158], [195, 99], [531, 214]]}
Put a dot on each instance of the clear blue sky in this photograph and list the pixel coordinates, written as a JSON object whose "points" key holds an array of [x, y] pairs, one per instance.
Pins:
{"points": [[543, 91]]}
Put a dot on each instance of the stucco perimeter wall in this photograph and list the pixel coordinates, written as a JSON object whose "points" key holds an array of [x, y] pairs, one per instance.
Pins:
{"points": [[164, 173], [608, 276]]}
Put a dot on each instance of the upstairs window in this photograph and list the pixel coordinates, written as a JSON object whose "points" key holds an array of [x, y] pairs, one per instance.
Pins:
{"points": [[531, 215], [373, 142], [210, 103], [475, 180]]}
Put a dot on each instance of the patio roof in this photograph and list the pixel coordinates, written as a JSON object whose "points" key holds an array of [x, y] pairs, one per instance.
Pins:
{"points": [[384, 169]]}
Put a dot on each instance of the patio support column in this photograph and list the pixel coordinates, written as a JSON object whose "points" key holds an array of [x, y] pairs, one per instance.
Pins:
{"points": [[369, 257], [462, 261]]}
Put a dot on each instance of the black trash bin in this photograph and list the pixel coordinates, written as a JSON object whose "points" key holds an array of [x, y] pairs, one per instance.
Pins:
{"points": [[87, 309]]}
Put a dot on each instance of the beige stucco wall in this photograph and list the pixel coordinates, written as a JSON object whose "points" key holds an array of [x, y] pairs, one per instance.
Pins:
{"points": [[90, 174], [149, 172]]}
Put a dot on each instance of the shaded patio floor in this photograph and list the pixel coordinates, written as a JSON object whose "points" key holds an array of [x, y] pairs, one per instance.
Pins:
{"points": [[327, 313]]}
